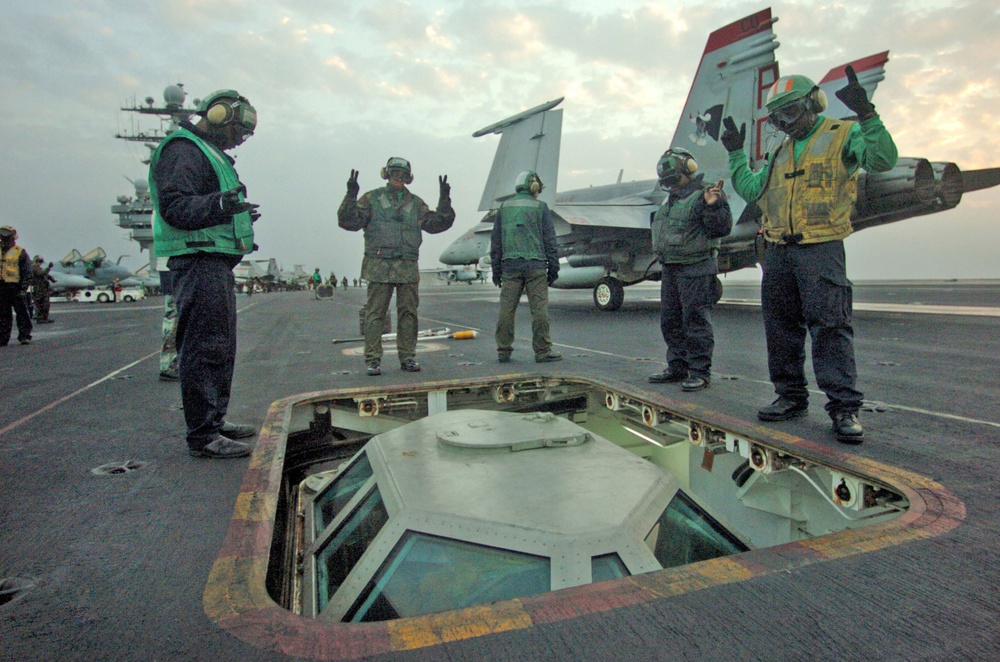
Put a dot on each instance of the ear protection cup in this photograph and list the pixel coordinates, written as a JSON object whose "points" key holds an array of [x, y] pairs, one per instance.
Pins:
{"points": [[817, 100], [536, 186], [685, 159], [220, 113]]}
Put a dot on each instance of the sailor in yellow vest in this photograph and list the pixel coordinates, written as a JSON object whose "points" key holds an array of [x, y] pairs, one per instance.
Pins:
{"points": [[203, 224], [806, 192], [15, 276]]}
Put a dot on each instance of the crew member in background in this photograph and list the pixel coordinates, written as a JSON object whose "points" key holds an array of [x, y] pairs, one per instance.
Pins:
{"points": [[524, 258], [168, 345], [15, 276], [393, 220], [41, 289], [203, 224], [316, 280], [806, 192], [686, 230]]}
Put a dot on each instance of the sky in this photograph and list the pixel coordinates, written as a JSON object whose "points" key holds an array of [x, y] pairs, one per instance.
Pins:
{"points": [[341, 85]]}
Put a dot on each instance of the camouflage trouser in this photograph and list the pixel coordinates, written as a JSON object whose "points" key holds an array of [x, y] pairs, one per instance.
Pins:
{"points": [[41, 299], [535, 284], [407, 300], [168, 350]]}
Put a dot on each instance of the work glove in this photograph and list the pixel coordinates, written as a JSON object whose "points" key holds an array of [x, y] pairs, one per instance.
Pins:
{"points": [[855, 97], [732, 139], [353, 188], [445, 186], [497, 278], [232, 205], [553, 274]]}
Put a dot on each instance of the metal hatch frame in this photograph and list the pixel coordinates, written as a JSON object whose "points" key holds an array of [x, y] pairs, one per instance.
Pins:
{"points": [[236, 596]]}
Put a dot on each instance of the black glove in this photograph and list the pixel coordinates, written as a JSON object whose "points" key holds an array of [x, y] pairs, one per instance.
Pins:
{"points": [[553, 274], [445, 186], [497, 278], [732, 139], [254, 216], [855, 97], [353, 188], [232, 205]]}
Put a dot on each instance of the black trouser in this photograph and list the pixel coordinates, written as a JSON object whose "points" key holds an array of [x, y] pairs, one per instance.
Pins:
{"points": [[686, 319], [805, 286], [206, 340], [12, 302]]}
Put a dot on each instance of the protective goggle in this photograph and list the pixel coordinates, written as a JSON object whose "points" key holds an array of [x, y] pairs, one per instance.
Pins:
{"points": [[246, 115], [788, 115]]}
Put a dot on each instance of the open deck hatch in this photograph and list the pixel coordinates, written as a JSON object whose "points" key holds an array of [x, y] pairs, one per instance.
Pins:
{"points": [[411, 501]]}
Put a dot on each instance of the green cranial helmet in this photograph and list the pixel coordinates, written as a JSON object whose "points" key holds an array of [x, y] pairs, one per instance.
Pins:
{"points": [[786, 90], [675, 164], [224, 107], [528, 181]]}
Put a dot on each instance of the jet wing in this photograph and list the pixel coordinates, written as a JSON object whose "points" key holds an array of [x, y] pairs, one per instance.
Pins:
{"points": [[870, 71], [528, 141], [622, 213]]}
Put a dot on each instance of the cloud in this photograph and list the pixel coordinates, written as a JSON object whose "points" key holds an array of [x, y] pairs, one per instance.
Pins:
{"points": [[343, 85]]}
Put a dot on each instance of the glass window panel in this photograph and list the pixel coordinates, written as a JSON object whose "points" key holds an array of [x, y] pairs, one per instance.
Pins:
{"points": [[685, 533], [332, 500], [426, 574], [608, 566], [336, 559]]}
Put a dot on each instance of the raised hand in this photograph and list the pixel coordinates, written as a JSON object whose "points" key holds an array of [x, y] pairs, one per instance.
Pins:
{"points": [[353, 188], [732, 139], [855, 97], [713, 193], [444, 186]]}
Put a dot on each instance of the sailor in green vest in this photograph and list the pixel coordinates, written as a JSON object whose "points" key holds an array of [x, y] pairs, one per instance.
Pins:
{"points": [[393, 220], [806, 192], [15, 276], [686, 232], [203, 225], [524, 260]]}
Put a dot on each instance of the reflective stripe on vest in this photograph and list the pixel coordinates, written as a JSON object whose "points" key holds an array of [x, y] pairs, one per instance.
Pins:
{"points": [[234, 238], [521, 228], [810, 201], [11, 271], [677, 240], [394, 232]]}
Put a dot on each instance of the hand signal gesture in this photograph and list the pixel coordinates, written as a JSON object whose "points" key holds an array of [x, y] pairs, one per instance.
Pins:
{"points": [[732, 139], [444, 186], [855, 97], [714, 193], [352, 184]]}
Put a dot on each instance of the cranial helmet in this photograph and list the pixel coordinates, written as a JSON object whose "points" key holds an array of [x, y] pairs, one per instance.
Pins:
{"points": [[8, 231], [528, 181], [397, 163], [790, 98], [224, 107], [675, 164]]}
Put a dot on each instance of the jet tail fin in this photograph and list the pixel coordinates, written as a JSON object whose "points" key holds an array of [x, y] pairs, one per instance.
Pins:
{"points": [[528, 141], [870, 71], [737, 66]]}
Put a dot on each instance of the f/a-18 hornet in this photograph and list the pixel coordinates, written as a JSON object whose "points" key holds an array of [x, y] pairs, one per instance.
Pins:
{"points": [[603, 232]]}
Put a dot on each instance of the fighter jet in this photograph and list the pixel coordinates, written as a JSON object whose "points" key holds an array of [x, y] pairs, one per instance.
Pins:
{"points": [[77, 271], [603, 232]]}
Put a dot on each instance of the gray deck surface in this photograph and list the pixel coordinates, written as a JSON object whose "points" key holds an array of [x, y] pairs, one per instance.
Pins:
{"points": [[116, 566]]}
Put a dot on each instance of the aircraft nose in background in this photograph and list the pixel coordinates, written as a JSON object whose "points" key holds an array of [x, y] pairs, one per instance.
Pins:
{"points": [[465, 250]]}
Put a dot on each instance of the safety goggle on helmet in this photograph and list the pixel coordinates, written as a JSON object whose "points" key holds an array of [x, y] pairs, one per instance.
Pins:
{"points": [[225, 107]]}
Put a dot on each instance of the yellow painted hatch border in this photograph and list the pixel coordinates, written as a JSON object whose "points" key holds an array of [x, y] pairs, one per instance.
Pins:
{"points": [[237, 600]]}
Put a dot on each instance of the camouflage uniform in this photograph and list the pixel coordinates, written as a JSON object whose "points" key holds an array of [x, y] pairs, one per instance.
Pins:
{"points": [[40, 290], [386, 268]]}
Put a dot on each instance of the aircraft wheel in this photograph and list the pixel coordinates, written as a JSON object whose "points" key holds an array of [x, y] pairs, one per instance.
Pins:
{"points": [[128, 297], [609, 294], [103, 298]]}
